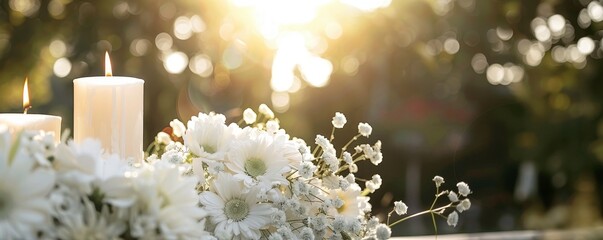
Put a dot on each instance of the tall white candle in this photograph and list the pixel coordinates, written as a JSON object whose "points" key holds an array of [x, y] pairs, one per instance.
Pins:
{"points": [[110, 109], [16, 122]]}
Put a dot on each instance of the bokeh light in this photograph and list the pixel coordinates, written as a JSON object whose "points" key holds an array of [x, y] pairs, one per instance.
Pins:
{"points": [[175, 62], [62, 67]]}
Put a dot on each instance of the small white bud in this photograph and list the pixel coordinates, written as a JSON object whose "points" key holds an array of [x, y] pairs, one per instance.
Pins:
{"points": [[400, 207], [264, 109], [463, 205], [453, 197], [249, 116], [365, 129], [438, 181], [178, 128], [463, 189], [453, 219], [272, 126], [339, 120], [164, 138], [383, 232]]}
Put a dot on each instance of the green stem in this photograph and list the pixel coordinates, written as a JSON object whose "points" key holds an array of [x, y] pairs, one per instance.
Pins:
{"points": [[345, 147], [419, 214], [332, 134]]}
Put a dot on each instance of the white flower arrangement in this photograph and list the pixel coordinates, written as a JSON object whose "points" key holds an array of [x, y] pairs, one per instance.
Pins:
{"points": [[205, 180]]}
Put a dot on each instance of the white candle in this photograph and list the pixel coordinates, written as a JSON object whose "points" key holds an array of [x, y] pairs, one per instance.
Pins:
{"points": [[110, 109], [33, 122], [16, 122]]}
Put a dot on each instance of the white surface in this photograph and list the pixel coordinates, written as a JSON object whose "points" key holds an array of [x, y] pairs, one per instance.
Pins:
{"points": [[590, 233]]}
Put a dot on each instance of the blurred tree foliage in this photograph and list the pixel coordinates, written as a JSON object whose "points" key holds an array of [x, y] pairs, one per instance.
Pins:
{"points": [[468, 89]]}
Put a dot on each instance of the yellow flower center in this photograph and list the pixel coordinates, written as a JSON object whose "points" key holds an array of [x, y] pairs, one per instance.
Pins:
{"points": [[255, 167], [209, 149], [236, 209]]}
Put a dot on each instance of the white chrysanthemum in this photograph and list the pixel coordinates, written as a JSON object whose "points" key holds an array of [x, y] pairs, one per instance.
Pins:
{"points": [[233, 210], [339, 120], [453, 219], [249, 116], [207, 136], [463, 205], [365, 129], [463, 189], [453, 197], [400, 207], [24, 207], [90, 224], [41, 147], [260, 159], [264, 109], [438, 181], [174, 157], [168, 201], [178, 128], [79, 165], [383, 232]]}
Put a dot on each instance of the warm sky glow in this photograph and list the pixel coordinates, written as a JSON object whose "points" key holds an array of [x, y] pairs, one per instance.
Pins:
{"points": [[300, 49]]}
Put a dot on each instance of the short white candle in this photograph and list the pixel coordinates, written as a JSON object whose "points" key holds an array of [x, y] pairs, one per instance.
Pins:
{"points": [[16, 122], [32, 122], [110, 109]]}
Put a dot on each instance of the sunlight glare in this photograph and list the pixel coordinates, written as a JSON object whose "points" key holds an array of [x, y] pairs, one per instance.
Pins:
{"points": [[333, 30], [316, 70], [368, 5], [292, 48]]}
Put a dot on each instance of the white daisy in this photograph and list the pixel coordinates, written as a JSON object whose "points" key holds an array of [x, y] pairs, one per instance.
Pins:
{"points": [[207, 136], [79, 165], [260, 159], [234, 211], [90, 224], [24, 207], [167, 201]]}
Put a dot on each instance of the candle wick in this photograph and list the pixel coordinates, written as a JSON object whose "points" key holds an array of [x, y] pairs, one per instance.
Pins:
{"points": [[108, 75], [25, 109]]}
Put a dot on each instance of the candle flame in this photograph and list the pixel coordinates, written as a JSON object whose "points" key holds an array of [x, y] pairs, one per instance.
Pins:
{"points": [[108, 71], [26, 105]]}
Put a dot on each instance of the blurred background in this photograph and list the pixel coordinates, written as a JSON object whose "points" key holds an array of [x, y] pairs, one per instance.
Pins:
{"points": [[505, 95]]}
